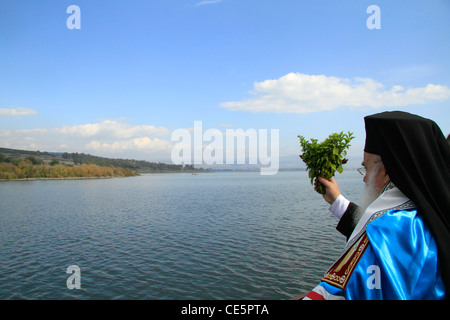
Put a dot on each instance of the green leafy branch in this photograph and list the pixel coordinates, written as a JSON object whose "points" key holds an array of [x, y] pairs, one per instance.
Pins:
{"points": [[324, 159]]}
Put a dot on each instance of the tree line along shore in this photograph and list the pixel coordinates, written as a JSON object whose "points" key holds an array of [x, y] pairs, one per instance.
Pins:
{"points": [[26, 169], [33, 165]]}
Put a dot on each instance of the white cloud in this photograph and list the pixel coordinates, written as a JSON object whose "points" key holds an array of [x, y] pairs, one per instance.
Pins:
{"points": [[109, 138], [302, 93], [207, 2], [16, 112], [112, 129], [144, 144], [225, 125]]}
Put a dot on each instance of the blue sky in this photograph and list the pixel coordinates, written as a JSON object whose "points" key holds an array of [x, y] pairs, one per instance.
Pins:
{"points": [[137, 70]]}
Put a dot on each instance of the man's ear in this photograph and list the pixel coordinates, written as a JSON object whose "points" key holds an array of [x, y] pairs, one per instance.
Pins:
{"points": [[386, 177]]}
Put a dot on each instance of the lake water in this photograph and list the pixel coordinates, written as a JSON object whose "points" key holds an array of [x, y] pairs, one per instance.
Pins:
{"points": [[230, 235]]}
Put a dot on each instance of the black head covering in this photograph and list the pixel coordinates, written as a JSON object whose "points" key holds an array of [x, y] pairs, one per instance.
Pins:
{"points": [[417, 158]]}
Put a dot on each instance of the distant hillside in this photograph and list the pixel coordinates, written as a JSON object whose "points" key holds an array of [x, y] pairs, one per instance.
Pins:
{"points": [[76, 159]]}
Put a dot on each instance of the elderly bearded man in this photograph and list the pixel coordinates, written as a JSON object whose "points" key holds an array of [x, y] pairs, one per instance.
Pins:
{"points": [[399, 238]]}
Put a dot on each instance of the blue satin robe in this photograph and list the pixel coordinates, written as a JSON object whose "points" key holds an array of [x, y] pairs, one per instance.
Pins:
{"points": [[400, 262]]}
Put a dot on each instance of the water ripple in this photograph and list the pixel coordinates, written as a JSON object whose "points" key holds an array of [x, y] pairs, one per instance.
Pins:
{"points": [[210, 236]]}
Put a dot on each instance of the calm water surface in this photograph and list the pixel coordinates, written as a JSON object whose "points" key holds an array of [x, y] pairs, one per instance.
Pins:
{"points": [[233, 235]]}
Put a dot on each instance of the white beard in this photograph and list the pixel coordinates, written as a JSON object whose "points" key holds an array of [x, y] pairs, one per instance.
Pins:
{"points": [[369, 195]]}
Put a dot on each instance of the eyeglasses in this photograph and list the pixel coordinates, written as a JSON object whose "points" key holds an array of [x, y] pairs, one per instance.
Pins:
{"points": [[362, 171]]}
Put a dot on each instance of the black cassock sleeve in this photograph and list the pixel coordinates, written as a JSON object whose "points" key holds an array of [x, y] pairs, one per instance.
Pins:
{"points": [[347, 224]]}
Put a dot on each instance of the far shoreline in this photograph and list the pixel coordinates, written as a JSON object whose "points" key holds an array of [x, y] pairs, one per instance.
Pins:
{"points": [[139, 174], [63, 178], [94, 177]]}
